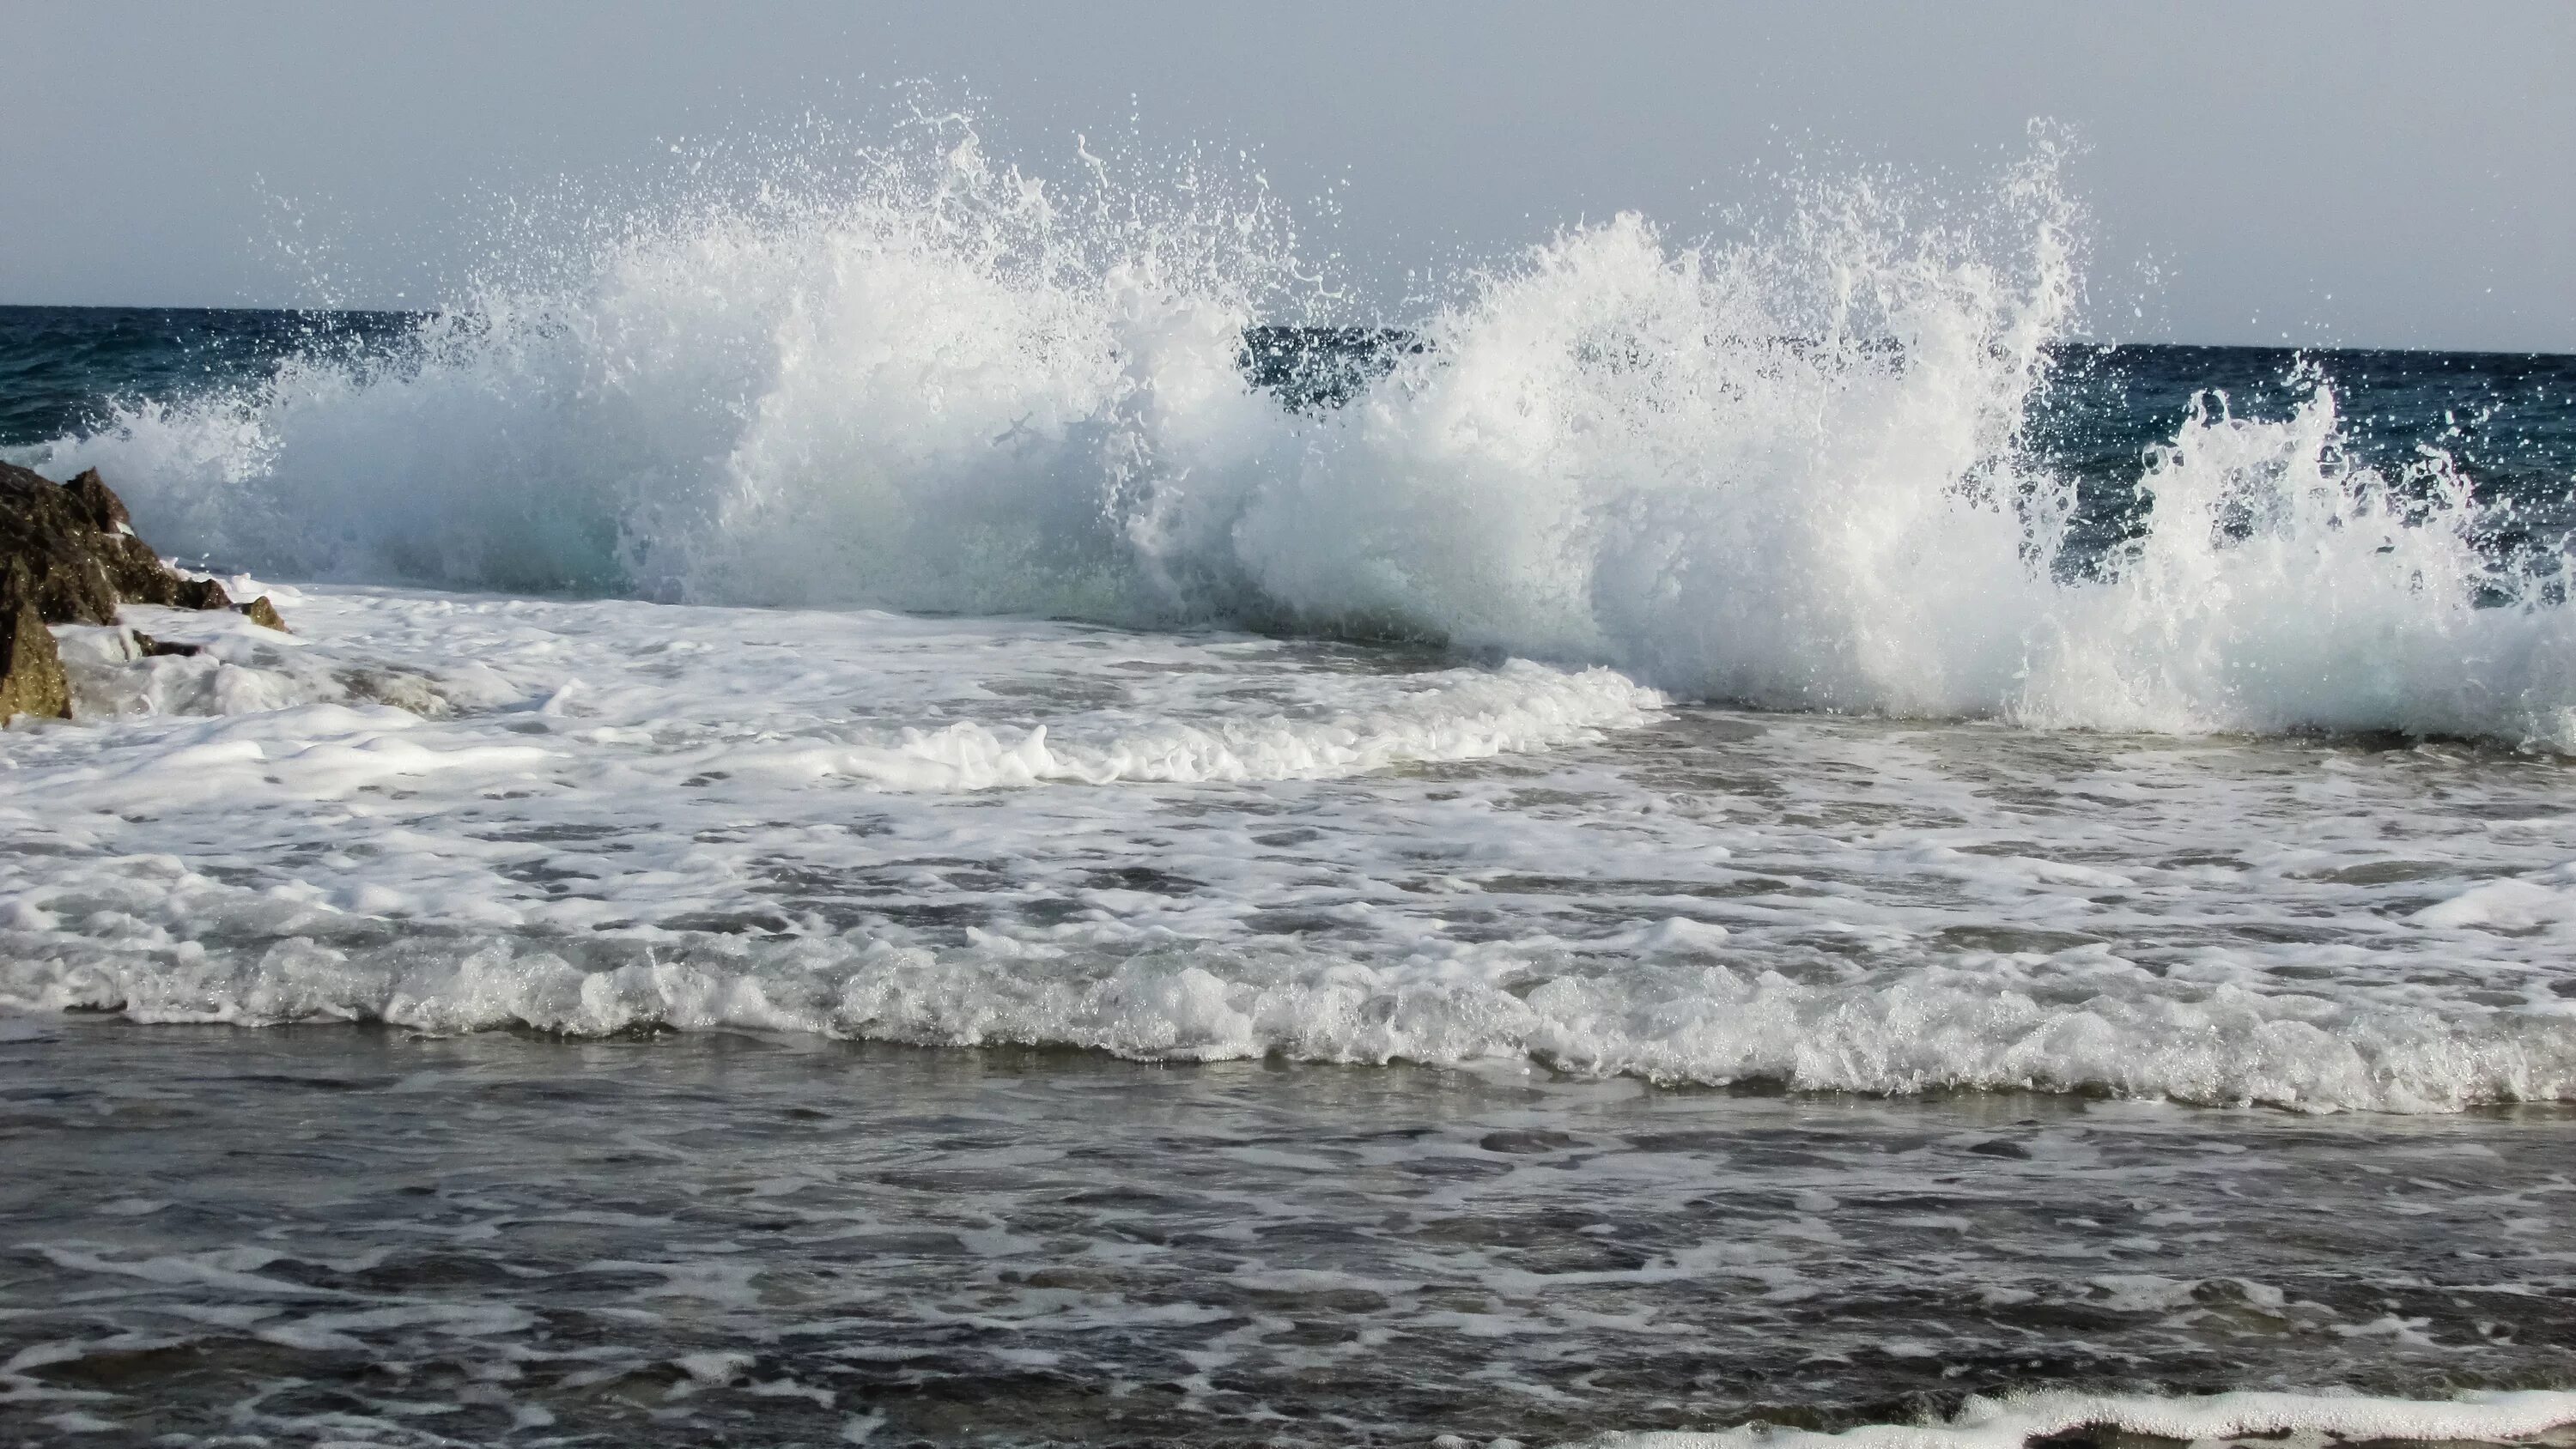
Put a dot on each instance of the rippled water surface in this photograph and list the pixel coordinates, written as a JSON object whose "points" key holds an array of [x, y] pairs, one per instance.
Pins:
{"points": [[325, 1234]]}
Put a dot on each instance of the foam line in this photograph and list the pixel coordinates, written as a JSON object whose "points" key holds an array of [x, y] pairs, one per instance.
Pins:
{"points": [[2008, 1423]]}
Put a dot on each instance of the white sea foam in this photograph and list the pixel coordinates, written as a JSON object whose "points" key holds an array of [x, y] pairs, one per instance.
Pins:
{"points": [[1782, 470], [1519, 707], [606, 815], [2009, 1423], [1199, 1001]]}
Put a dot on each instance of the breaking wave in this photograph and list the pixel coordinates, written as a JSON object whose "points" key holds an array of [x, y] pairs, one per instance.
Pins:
{"points": [[1787, 469], [1667, 1017]]}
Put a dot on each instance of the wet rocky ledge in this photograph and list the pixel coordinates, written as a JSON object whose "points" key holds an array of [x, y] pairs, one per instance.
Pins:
{"points": [[69, 555]]}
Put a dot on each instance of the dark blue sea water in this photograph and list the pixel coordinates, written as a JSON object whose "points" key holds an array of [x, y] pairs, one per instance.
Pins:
{"points": [[64, 369]]}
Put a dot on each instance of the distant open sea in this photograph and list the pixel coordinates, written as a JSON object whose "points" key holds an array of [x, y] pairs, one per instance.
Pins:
{"points": [[903, 821]]}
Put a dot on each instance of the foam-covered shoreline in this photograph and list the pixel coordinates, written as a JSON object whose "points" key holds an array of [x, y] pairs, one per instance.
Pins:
{"points": [[458, 813], [2009, 1422], [1194, 1003]]}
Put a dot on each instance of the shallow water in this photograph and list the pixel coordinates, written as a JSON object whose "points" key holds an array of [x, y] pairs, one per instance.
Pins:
{"points": [[1421, 967], [352, 1233], [609, 815]]}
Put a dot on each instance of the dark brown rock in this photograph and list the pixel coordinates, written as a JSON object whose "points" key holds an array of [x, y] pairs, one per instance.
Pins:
{"points": [[200, 594], [58, 557], [263, 613], [31, 669], [106, 511], [68, 555], [148, 647], [76, 545]]}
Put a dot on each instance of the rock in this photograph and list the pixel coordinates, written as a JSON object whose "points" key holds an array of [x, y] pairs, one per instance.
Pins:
{"points": [[31, 669], [69, 555], [201, 594], [263, 613], [77, 546], [147, 647], [69, 567], [106, 511]]}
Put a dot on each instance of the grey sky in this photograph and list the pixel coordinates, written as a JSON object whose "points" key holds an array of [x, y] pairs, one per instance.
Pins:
{"points": [[2363, 174]]}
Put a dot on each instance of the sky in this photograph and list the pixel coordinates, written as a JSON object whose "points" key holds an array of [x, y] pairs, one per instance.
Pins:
{"points": [[2344, 173]]}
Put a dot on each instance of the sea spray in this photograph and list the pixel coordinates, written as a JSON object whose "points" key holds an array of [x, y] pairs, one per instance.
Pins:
{"points": [[1782, 472], [1792, 469]]}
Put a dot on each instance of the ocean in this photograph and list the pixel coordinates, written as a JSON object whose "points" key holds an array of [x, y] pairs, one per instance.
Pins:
{"points": [[896, 814]]}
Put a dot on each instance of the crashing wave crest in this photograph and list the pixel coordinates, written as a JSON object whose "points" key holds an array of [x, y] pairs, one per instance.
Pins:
{"points": [[1785, 470]]}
